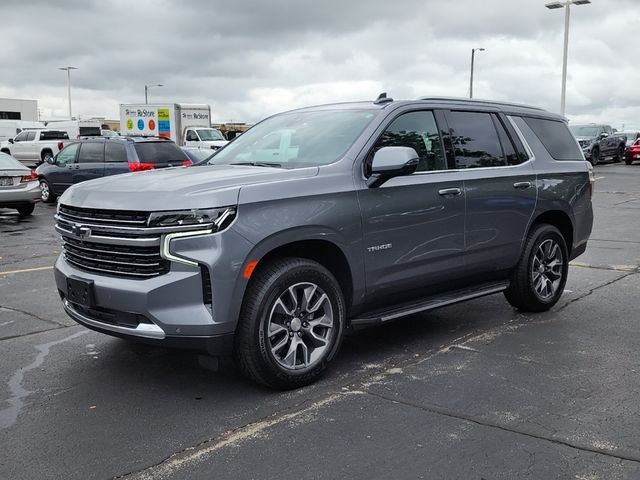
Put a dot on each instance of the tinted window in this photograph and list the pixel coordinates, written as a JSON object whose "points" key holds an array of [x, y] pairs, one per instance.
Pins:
{"points": [[53, 135], [419, 131], [115, 152], [90, 131], [159, 152], [556, 138], [91, 153], [31, 136], [68, 154], [475, 141], [510, 154]]}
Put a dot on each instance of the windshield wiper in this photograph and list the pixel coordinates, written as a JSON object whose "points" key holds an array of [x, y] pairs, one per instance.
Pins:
{"points": [[259, 164]]}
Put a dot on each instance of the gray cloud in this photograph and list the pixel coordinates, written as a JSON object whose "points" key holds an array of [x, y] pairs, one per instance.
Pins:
{"points": [[252, 58]]}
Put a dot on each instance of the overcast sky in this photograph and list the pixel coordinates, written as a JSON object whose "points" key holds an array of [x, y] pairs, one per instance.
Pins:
{"points": [[252, 58]]}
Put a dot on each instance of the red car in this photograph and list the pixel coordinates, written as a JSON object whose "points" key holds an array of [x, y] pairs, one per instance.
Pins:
{"points": [[632, 154]]}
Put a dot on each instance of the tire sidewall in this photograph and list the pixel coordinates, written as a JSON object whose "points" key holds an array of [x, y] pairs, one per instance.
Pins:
{"points": [[305, 272], [544, 233]]}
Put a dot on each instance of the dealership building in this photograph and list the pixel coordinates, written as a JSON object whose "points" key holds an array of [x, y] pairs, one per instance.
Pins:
{"points": [[18, 109]]}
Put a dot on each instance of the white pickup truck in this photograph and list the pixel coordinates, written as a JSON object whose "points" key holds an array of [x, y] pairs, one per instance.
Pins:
{"points": [[32, 147]]}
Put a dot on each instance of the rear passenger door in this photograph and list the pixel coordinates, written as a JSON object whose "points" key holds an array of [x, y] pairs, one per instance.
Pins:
{"points": [[499, 183], [115, 158], [413, 226], [90, 162]]}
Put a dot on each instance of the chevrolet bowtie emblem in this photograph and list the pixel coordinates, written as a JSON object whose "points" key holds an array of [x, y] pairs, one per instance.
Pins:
{"points": [[81, 230]]}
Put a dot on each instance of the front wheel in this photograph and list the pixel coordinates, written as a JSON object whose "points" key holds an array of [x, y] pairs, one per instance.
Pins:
{"points": [[538, 281], [291, 323], [595, 156], [619, 154]]}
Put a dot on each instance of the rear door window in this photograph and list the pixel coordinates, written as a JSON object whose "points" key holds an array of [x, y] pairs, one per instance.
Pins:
{"points": [[159, 152], [91, 152], [475, 140], [419, 131], [556, 138], [115, 152]]}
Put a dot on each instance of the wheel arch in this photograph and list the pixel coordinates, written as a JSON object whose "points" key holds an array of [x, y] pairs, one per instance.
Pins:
{"points": [[561, 221]]}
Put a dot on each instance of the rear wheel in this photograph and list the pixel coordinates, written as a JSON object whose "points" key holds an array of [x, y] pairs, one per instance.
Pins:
{"points": [[46, 194], [538, 281], [619, 154], [26, 210], [291, 324], [46, 156]]}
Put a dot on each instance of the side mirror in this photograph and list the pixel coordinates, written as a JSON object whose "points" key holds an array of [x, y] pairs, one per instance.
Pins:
{"points": [[11, 140], [389, 162], [604, 135]]}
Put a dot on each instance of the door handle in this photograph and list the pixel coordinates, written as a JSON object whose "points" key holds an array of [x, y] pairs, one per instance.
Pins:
{"points": [[522, 185], [450, 192]]}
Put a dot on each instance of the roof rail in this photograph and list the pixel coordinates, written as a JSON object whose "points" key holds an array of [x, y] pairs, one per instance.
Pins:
{"points": [[486, 102]]}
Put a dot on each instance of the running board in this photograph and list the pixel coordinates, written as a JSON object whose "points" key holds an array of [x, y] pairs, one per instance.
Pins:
{"points": [[428, 303]]}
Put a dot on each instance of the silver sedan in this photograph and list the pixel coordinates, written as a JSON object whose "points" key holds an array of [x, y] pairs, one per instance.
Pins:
{"points": [[19, 186]]}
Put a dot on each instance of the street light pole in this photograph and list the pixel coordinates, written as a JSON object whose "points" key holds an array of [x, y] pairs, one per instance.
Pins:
{"points": [[146, 91], [473, 56], [68, 69], [567, 15]]}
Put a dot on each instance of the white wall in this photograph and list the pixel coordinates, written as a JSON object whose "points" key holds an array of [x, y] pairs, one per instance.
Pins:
{"points": [[28, 108]]}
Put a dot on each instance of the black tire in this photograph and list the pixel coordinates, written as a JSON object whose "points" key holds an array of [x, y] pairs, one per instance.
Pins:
{"points": [[522, 292], [46, 194], [26, 210], [6, 150], [628, 161], [253, 346], [46, 155], [595, 156], [619, 156]]}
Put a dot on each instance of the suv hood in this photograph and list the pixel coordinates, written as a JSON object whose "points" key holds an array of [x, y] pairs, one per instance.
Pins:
{"points": [[176, 188]]}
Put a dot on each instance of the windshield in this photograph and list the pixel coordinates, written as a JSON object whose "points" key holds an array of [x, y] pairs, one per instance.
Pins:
{"points": [[584, 130], [297, 139], [210, 135]]}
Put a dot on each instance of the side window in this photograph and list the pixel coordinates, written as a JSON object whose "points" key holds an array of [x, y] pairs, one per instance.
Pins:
{"points": [[67, 155], [191, 136], [419, 131], [475, 141], [91, 152], [31, 136], [507, 145], [607, 129], [556, 138], [115, 152], [21, 137]]}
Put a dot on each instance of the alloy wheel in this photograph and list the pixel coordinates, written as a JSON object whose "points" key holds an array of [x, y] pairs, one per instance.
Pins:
{"points": [[547, 269], [300, 326]]}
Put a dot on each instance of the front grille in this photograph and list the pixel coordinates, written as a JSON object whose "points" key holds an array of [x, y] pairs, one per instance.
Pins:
{"points": [[121, 260], [116, 218]]}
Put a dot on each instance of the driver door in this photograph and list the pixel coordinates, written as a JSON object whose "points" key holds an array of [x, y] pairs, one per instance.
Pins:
{"points": [[413, 226]]}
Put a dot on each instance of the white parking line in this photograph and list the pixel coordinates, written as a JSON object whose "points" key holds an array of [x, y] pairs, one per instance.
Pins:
{"points": [[26, 270]]}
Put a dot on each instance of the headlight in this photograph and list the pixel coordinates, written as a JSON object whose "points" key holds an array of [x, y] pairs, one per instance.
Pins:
{"points": [[216, 218]]}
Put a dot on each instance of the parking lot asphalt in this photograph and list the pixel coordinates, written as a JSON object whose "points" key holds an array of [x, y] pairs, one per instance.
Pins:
{"points": [[473, 391]]}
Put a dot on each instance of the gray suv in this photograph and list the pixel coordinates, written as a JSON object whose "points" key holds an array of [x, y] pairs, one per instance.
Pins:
{"points": [[324, 219]]}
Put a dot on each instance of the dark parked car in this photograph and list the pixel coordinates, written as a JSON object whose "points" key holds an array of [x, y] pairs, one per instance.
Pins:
{"points": [[97, 157], [198, 155], [599, 142], [325, 218]]}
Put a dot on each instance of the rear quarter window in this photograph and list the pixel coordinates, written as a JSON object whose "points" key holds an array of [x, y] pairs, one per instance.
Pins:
{"points": [[556, 138], [159, 152]]}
